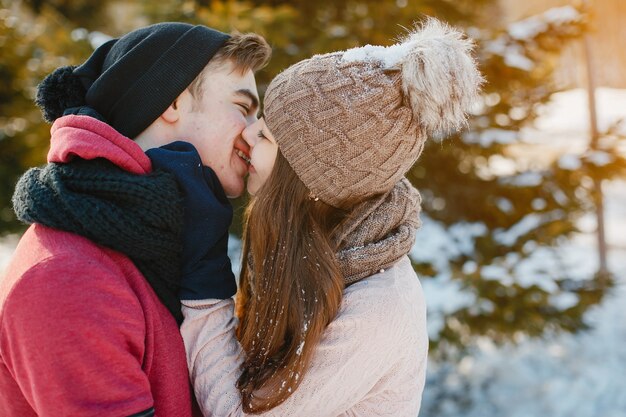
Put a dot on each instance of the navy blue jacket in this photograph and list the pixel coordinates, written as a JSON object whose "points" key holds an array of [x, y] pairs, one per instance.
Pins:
{"points": [[207, 271]]}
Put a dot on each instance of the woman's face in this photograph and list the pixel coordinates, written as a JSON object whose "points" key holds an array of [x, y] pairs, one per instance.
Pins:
{"points": [[263, 150]]}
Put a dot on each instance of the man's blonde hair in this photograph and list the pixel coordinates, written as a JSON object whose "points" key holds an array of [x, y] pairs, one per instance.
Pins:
{"points": [[246, 51]]}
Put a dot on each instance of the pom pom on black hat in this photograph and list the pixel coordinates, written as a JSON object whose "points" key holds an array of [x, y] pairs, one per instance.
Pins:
{"points": [[59, 91]]}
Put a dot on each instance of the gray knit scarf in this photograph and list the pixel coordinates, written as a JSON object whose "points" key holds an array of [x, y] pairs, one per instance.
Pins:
{"points": [[379, 232], [140, 216]]}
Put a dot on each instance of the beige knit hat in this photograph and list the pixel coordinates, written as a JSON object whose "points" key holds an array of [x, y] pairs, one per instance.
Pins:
{"points": [[352, 123]]}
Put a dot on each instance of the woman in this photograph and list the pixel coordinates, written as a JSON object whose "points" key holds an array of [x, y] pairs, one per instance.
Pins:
{"points": [[332, 319]]}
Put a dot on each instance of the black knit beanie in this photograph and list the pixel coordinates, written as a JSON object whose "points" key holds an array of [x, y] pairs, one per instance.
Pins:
{"points": [[132, 80]]}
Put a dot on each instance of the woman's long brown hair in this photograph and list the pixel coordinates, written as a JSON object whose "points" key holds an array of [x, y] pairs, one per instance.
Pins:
{"points": [[290, 291]]}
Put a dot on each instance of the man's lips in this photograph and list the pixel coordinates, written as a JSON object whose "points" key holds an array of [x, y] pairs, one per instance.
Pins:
{"points": [[242, 147], [243, 156]]}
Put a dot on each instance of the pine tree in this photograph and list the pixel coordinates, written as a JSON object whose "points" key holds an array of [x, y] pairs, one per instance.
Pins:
{"points": [[494, 222], [31, 46]]}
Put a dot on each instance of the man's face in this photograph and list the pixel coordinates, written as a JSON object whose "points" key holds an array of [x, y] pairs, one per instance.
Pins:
{"points": [[227, 105]]}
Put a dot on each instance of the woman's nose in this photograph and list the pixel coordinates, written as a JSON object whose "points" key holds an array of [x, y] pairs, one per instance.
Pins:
{"points": [[248, 134]]}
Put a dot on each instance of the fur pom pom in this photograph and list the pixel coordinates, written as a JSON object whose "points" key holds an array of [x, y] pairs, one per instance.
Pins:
{"points": [[439, 76], [59, 91]]}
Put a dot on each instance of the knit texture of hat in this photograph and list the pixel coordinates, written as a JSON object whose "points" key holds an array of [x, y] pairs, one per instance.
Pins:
{"points": [[132, 80], [352, 123]]}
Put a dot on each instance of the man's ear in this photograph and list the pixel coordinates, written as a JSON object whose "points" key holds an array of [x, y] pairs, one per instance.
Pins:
{"points": [[172, 113]]}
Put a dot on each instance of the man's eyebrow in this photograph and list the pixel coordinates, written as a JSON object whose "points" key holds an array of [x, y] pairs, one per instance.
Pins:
{"points": [[250, 95]]}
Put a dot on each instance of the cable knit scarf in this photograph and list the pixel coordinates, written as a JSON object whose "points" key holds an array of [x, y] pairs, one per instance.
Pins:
{"points": [[140, 216], [379, 232]]}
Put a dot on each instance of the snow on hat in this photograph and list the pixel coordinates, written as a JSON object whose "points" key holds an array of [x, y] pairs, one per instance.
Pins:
{"points": [[132, 80], [352, 123]]}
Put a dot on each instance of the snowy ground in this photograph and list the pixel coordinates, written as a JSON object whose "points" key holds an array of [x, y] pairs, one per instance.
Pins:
{"points": [[561, 376]]}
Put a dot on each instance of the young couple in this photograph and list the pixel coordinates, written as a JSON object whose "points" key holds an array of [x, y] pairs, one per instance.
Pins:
{"points": [[151, 135]]}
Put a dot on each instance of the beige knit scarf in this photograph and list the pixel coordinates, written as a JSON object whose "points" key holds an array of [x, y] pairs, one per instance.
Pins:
{"points": [[379, 232]]}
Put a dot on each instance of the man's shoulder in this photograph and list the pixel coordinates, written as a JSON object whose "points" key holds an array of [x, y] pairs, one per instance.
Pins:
{"points": [[40, 242], [50, 263]]}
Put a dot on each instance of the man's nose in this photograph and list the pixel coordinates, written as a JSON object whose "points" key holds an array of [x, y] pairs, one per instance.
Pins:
{"points": [[251, 119]]}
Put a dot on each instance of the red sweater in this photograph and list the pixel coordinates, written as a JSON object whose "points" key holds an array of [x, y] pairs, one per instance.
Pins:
{"points": [[82, 333]]}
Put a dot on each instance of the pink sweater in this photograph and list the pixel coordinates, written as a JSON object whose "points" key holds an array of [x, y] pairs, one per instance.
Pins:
{"points": [[82, 333], [370, 362]]}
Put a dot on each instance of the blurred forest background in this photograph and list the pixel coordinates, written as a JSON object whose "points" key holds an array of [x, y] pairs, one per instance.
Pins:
{"points": [[504, 203]]}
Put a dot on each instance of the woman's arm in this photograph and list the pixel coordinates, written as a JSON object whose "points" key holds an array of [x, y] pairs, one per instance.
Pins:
{"points": [[213, 355]]}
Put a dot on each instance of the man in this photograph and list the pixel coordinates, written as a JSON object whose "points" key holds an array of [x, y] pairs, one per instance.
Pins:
{"points": [[89, 304]]}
